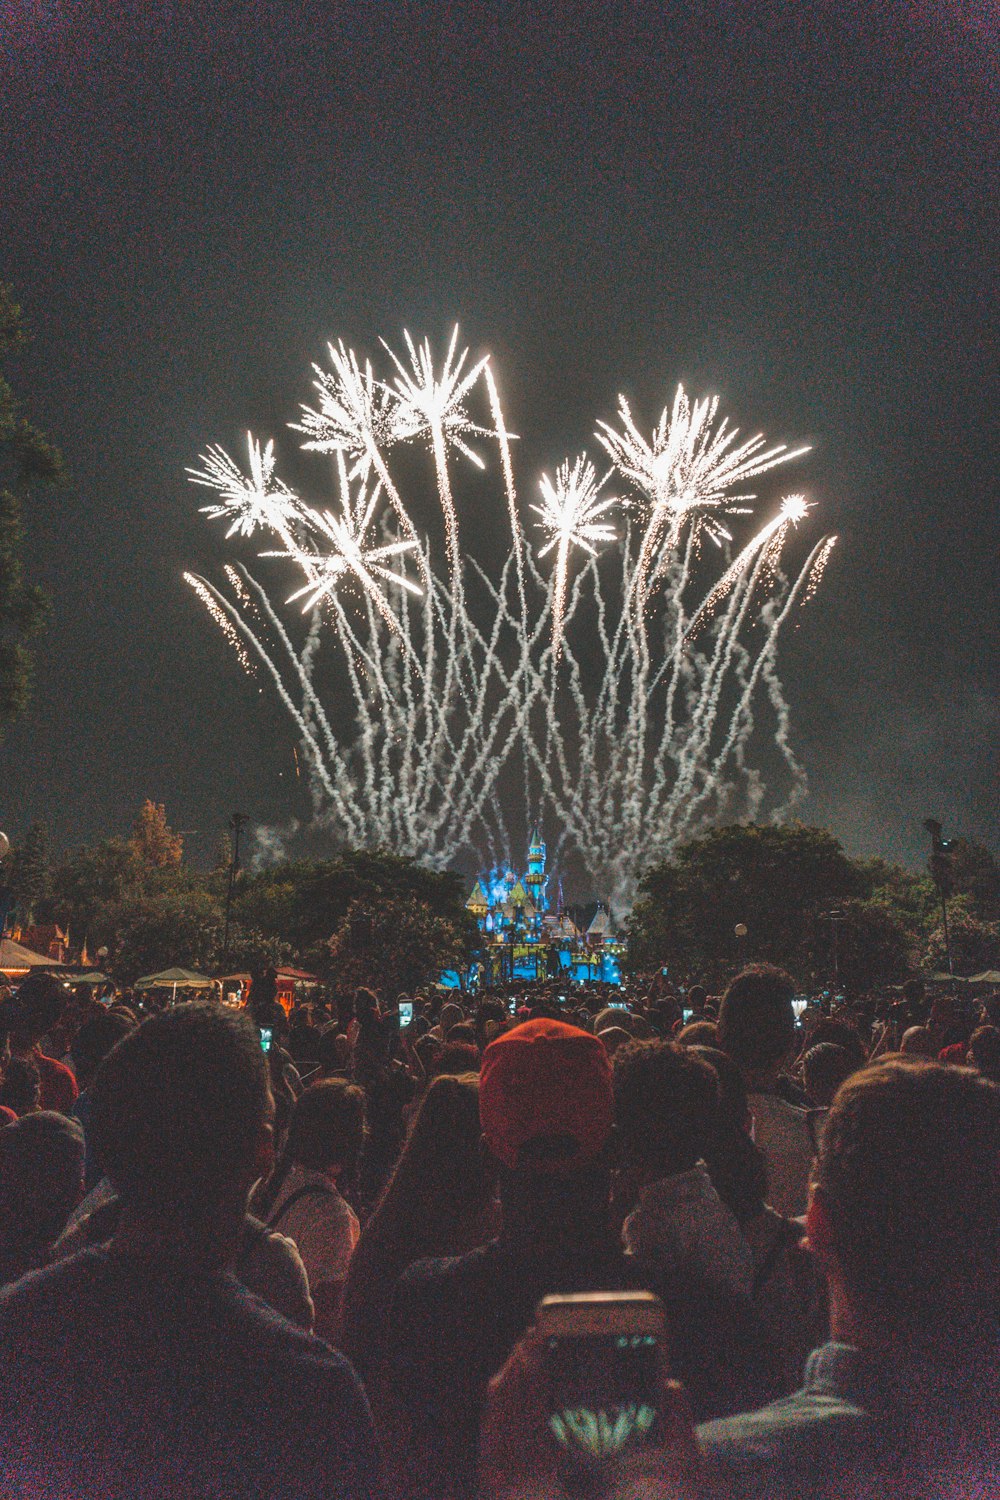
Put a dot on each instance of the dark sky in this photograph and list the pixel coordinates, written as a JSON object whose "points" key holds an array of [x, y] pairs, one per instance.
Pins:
{"points": [[793, 204]]}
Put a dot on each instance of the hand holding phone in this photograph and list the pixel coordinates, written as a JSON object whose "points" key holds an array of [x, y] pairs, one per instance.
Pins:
{"points": [[519, 1453]]}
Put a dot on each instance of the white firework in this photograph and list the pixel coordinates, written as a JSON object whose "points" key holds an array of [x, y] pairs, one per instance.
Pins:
{"points": [[255, 502], [435, 403], [688, 467], [570, 508], [642, 737], [340, 547]]}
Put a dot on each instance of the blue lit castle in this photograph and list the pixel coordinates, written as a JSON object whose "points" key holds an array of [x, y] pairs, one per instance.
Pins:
{"points": [[523, 938]]}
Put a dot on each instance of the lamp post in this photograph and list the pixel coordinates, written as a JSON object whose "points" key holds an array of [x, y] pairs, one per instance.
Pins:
{"points": [[741, 931], [940, 867], [237, 822]]}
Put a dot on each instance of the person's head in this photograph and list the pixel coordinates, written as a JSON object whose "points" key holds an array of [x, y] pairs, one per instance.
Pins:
{"points": [[326, 1130], [824, 1069], [182, 1110], [441, 1176], [454, 1057], [21, 1089], [41, 1182], [984, 1052], [334, 1052], [918, 1041], [95, 1040], [666, 1100], [35, 1009], [546, 1106], [451, 1016], [905, 1208], [698, 1034], [696, 997], [756, 1023]]}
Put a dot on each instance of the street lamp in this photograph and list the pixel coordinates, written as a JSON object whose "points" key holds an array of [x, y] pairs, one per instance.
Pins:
{"points": [[942, 874]]}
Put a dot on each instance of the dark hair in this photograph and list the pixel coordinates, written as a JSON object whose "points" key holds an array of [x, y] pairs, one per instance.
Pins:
{"points": [[909, 1168], [455, 1058], [21, 1085], [736, 1164], [431, 1205], [95, 1040], [327, 1126], [756, 1022], [698, 1034], [36, 1007], [984, 1052], [178, 1105], [824, 1069], [665, 1104]]}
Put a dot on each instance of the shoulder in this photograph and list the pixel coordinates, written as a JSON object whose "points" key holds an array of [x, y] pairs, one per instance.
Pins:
{"points": [[786, 1441], [442, 1275]]}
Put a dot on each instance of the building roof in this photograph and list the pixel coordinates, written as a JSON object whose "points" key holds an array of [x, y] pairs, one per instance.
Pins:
{"points": [[16, 959]]}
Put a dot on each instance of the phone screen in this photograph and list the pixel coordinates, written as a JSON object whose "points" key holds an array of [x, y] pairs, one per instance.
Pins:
{"points": [[686, 1016], [265, 1038], [617, 1005], [602, 1394], [799, 1004], [512, 1005], [405, 1012]]}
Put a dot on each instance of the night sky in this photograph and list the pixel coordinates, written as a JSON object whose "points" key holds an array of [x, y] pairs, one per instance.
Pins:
{"points": [[793, 204]]}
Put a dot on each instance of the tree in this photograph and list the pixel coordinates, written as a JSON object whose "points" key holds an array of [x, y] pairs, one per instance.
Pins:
{"points": [[772, 880], [30, 873], [975, 944], [874, 946], [304, 902], [27, 460], [153, 840], [395, 944], [170, 927], [90, 887]]}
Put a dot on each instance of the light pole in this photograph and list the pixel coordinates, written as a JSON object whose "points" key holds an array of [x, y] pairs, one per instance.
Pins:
{"points": [[237, 822], [939, 865], [741, 931]]}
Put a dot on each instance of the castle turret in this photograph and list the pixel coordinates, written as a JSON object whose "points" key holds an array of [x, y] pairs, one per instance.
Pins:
{"points": [[535, 879]]}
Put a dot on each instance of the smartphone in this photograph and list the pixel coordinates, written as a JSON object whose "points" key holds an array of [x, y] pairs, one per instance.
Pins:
{"points": [[512, 1005], [405, 1013], [561, 999], [799, 1003], [686, 1016], [617, 1005], [265, 1037], [602, 1362]]}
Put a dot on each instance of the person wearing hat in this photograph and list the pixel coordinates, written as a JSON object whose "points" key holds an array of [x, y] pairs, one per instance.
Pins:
{"points": [[546, 1109]]}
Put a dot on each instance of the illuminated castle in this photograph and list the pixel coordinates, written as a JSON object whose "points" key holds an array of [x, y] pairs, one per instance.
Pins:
{"points": [[506, 902], [524, 938]]}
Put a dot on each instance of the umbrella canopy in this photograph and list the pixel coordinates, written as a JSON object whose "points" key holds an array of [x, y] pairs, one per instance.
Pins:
{"points": [[171, 978], [92, 978], [16, 960], [988, 976]]}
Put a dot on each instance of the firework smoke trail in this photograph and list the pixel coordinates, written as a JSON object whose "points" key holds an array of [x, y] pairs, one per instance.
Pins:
{"points": [[452, 677]]}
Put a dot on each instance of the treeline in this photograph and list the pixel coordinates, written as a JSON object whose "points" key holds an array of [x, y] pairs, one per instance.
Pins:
{"points": [[807, 905]]}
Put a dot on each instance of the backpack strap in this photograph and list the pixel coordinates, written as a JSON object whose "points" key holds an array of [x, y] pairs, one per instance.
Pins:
{"points": [[311, 1190]]}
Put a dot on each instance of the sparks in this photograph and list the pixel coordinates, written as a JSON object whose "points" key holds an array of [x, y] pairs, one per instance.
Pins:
{"points": [[257, 502], [570, 508], [666, 660]]}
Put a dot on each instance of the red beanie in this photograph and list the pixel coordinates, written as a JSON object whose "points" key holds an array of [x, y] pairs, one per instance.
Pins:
{"points": [[546, 1079]]}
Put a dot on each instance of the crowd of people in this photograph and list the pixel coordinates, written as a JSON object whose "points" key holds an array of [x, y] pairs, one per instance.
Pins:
{"points": [[251, 1253]]}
